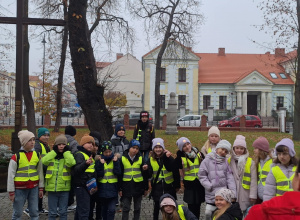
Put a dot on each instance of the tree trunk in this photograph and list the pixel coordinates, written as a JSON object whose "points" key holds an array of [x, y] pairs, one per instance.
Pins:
{"points": [[26, 87], [90, 95], [61, 72]]}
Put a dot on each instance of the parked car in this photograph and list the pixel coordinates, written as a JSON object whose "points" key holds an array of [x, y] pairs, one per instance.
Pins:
{"points": [[133, 119], [189, 121], [251, 121], [65, 112]]}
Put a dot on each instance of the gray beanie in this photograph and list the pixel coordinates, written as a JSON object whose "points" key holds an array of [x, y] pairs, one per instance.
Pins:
{"points": [[224, 144], [158, 142], [181, 142], [287, 143]]}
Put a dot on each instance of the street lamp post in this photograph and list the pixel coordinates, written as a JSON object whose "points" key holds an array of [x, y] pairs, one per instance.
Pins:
{"points": [[43, 97]]}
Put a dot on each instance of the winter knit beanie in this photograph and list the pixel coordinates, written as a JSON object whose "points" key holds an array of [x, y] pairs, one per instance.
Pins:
{"points": [[261, 143], [87, 139], [224, 144], [43, 131], [158, 142], [119, 127], [70, 130], [214, 130], [61, 139], [167, 201], [287, 143], [181, 142], [240, 141], [24, 136], [144, 113], [225, 194]]}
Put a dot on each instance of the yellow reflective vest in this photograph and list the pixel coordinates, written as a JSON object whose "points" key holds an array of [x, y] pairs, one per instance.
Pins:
{"points": [[27, 170], [181, 212], [191, 172], [246, 181], [132, 171], [263, 172], [283, 184], [108, 174], [164, 173], [44, 152], [91, 168]]}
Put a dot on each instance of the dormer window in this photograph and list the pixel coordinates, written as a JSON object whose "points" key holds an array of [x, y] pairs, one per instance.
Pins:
{"points": [[282, 75], [273, 75]]}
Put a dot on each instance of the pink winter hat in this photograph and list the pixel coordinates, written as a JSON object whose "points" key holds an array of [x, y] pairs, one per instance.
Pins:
{"points": [[167, 201], [240, 140], [261, 143]]}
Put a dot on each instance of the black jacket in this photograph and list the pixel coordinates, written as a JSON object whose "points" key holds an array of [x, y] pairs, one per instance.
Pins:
{"points": [[131, 188], [162, 187], [147, 134], [38, 149], [234, 212], [80, 177]]}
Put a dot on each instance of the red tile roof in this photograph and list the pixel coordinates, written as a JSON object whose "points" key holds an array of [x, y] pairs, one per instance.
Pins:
{"points": [[231, 68]]}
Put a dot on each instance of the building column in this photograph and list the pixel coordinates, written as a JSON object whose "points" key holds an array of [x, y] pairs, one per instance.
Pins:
{"points": [[245, 103], [239, 99], [263, 104], [269, 104]]}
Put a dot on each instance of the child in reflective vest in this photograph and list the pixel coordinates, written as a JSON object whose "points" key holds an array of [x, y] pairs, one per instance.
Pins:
{"points": [[167, 180], [214, 174], [25, 179], [171, 211], [263, 159], [226, 210], [108, 169], [188, 161], [244, 173], [58, 177], [283, 170], [134, 180], [213, 139]]}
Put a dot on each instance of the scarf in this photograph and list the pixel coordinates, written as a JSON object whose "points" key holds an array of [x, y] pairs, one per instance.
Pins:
{"points": [[242, 159], [107, 159]]}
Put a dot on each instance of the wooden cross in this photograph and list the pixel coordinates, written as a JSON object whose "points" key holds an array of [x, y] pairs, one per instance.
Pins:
{"points": [[20, 20]]}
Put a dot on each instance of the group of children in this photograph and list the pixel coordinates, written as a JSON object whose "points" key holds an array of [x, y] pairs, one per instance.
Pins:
{"points": [[223, 176]]}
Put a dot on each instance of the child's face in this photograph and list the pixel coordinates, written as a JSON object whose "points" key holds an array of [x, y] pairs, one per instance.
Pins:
{"points": [[187, 148], [144, 118], [220, 202], [89, 146], [95, 149], [30, 144], [169, 209], [61, 147], [256, 152], [133, 150], [44, 138], [222, 152], [213, 138], [107, 153], [121, 133], [158, 150], [238, 150], [284, 158]]}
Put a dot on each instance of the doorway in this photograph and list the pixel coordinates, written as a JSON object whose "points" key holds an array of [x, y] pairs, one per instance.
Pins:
{"points": [[252, 104]]}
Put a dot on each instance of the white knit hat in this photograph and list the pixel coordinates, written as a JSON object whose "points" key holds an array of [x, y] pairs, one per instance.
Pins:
{"points": [[240, 141], [214, 130], [225, 194], [24, 136], [224, 144]]}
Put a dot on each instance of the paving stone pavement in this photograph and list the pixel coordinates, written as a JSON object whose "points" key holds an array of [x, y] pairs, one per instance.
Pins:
{"points": [[146, 212]]}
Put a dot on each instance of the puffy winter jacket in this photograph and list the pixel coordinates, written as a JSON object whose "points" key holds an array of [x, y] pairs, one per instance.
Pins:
{"points": [[119, 144], [144, 133], [213, 175], [72, 143]]}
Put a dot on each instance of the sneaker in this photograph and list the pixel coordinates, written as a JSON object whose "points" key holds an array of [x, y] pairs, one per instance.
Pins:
{"points": [[26, 212], [71, 208], [43, 211]]}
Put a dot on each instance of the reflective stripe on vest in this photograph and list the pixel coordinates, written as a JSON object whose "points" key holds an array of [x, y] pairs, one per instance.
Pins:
{"points": [[164, 174], [181, 212], [209, 150], [246, 181], [132, 171], [283, 184], [139, 135], [44, 152], [263, 173], [191, 173], [91, 168], [108, 173], [27, 170], [54, 166]]}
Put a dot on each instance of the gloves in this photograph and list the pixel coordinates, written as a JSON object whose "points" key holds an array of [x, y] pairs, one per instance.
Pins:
{"points": [[55, 148], [67, 148]]}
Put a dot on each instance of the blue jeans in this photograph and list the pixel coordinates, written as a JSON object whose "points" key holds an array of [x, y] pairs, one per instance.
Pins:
{"points": [[21, 195], [83, 203], [108, 208], [145, 154], [58, 200]]}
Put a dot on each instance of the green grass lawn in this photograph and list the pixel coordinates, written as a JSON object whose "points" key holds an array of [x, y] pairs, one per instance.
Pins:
{"points": [[197, 138]]}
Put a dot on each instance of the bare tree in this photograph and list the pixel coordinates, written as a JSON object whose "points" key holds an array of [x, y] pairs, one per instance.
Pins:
{"points": [[164, 20]]}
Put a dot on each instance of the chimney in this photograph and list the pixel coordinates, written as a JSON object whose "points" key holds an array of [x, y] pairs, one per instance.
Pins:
{"points": [[119, 55], [268, 53], [279, 52], [221, 52]]}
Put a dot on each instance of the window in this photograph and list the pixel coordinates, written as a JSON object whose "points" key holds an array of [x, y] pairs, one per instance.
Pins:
{"points": [[282, 76], [222, 102], [162, 102], [280, 100], [273, 75], [182, 74], [181, 100], [206, 101], [162, 74]]}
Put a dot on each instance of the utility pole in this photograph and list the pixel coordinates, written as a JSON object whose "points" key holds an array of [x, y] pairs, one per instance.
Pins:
{"points": [[43, 98]]}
